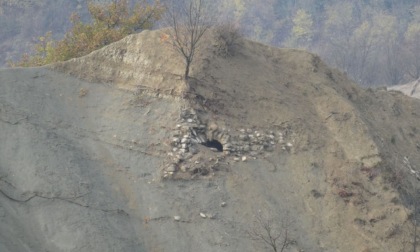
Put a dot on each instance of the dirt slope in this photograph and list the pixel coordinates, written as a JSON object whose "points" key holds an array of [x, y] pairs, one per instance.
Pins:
{"points": [[100, 153]]}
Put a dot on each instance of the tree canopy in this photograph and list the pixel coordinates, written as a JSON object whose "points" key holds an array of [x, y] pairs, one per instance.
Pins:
{"points": [[373, 41], [109, 23]]}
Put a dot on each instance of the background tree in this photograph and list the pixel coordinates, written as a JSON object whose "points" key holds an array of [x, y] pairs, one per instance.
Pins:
{"points": [[110, 22], [188, 21], [302, 31], [412, 45]]}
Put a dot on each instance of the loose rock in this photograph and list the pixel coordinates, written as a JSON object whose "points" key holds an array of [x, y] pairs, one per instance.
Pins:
{"points": [[171, 168]]}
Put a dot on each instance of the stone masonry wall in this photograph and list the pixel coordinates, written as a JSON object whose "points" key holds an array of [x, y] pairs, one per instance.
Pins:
{"points": [[240, 144]]}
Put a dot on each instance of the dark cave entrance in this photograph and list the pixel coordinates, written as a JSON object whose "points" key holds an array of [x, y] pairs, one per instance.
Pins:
{"points": [[214, 144]]}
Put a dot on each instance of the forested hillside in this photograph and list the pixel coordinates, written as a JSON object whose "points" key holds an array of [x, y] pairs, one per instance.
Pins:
{"points": [[376, 42]]}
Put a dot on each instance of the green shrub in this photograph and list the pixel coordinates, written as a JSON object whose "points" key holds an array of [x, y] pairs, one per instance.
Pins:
{"points": [[110, 23]]}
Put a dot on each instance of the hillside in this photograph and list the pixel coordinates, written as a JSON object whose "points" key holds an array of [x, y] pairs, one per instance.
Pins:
{"points": [[102, 153]]}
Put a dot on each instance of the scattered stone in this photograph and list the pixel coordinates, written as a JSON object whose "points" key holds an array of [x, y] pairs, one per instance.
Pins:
{"points": [[184, 140], [175, 140], [184, 168], [171, 168], [196, 162], [255, 148], [236, 159], [253, 153], [243, 158], [201, 138], [243, 137], [193, 150], [177, 218], [223, 204], [190, 120], [227, 146], [203, 215], [213, 127], [214, 149], [225, 139]]}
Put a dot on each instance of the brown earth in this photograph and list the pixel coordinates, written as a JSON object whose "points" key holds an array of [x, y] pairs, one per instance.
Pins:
{"points": [[86, 145]]}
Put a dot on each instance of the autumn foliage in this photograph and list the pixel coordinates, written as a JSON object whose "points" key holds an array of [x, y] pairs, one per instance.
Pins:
{"points": [[109, 23]]}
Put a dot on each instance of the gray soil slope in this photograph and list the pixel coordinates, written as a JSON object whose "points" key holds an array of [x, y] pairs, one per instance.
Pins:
{"points": [[87, 146]]}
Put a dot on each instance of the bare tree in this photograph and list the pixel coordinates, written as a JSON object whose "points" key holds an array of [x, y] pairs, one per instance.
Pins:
{"points": [[413, 61], [270, 232], [394, 64], [188, 21]]}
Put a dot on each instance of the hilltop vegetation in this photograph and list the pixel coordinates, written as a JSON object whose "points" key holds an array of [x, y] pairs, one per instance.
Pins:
{"points": [[375, 42], [110, 22]]}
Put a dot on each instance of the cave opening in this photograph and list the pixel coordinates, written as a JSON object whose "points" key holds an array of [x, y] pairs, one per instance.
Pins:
{"points": [[214, 144]]}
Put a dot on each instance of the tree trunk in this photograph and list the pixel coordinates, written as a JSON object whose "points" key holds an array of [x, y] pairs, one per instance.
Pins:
{"points": [[187, 70]]}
